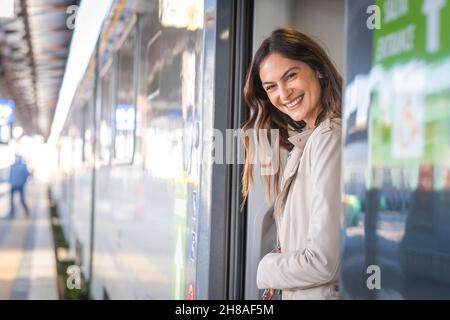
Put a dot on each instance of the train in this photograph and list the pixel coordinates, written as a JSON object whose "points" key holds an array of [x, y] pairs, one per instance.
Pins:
{"points": [[138, 204]]}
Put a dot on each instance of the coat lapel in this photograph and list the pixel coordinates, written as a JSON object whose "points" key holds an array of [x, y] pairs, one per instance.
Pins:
{"points": [[299, 141]]}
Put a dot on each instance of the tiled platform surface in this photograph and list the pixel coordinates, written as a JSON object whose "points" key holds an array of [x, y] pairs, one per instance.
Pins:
{"points": [[27, 259]]}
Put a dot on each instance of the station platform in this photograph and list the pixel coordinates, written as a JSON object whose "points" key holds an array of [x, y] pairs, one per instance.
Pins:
{"points": [[27, 258]]}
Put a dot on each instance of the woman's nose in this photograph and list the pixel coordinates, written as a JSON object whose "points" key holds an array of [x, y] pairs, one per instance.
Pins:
{"points": [[285, 93]]}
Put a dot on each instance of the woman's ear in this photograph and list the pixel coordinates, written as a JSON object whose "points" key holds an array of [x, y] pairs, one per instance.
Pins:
{"points": [[319, 75]]}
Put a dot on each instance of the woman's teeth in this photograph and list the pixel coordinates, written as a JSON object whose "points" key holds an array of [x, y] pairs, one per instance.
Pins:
{"points": [[296, 101]]}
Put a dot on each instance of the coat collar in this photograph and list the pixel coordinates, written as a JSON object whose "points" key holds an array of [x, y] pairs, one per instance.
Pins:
{"points": [[299, 140]]}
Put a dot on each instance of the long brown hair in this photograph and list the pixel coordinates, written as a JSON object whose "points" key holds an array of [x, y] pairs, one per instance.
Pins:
{"points": [[293, 45]]}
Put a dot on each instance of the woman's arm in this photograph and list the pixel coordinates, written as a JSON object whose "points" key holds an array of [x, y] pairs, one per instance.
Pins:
{"points": [[318, 263]]}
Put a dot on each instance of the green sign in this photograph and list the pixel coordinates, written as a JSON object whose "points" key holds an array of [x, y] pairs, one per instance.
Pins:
{"points": [[411, 29], [409, 108], [411, 138]]}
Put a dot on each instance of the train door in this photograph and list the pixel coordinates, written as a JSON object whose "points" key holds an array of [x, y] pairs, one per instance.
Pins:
{"points": [[323, 21], [190, 93], [396, 222], [174, 113]]}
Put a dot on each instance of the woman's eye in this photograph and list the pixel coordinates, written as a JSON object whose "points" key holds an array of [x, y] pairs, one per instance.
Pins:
{"points": [[269, 88], [291, 75]]}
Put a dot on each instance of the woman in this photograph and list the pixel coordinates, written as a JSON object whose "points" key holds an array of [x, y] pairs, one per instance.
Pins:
{"points": [[293, 86]]}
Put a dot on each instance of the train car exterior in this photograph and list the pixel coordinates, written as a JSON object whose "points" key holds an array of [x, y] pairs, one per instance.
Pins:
{"points": [[134, 183]]}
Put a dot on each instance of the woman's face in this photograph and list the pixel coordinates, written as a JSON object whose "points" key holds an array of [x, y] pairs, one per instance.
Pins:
{"points": [[292, 87]]}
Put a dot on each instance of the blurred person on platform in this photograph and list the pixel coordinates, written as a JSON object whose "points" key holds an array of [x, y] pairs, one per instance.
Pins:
{"points": [[18, 177]]}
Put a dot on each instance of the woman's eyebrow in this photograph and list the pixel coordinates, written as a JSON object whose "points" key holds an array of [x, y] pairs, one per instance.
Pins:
{"points": [[284, 74]]}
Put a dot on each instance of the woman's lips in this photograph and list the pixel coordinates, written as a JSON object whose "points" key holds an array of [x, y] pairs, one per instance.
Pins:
{"points": [[295, 103]]}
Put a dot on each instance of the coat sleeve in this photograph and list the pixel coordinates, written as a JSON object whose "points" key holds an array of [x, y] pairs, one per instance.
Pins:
{"points": [[318, 262]]}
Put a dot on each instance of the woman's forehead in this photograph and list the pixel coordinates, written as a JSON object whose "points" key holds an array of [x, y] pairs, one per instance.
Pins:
{"points": [[275, 65]]}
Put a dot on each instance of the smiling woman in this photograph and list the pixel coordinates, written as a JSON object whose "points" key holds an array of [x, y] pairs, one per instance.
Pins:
{"points": [[292, 86]]}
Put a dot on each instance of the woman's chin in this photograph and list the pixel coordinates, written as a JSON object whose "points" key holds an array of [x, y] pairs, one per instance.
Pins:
{"points": [[296, 117]]}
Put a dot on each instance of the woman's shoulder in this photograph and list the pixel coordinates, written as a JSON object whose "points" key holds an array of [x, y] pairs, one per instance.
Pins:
{"points": [[329, 127], [327, 136]]}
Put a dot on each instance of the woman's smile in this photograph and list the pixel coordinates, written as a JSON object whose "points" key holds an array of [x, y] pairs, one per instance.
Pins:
{"points": [[295, 103]]}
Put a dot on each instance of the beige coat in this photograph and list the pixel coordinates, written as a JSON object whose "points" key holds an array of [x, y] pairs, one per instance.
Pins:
{"points": [[309, 226]]}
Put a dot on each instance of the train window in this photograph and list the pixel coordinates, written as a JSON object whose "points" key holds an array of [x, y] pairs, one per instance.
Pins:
{"points": [[125, 109], [75, 134], [84, 120], [105, 133], [153, 66], [87, 133], [149, 82]]}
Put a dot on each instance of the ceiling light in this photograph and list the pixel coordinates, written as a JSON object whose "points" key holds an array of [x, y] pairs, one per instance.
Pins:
{"points": [[7, 9]]}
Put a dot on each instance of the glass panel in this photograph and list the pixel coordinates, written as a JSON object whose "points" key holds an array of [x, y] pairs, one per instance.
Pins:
{"points": [[169, 112], [148, 212], [125, 109], [105, 133], [397, 147]]}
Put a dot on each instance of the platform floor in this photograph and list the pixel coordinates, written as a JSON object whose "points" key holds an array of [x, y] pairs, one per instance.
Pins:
{"points": [[27, 258]]}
